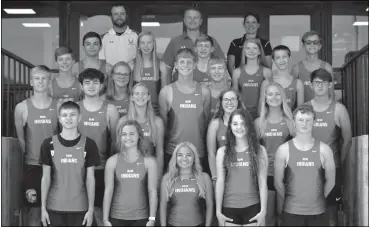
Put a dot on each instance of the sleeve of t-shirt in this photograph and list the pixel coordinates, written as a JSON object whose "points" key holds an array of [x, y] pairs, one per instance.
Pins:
{"points": [[232, 50], [92, 153], [102, 51], [218, 52], [45, 152], [267, 49], [168, 56]]}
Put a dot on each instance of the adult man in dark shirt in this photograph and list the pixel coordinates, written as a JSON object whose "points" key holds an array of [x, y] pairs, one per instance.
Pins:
{"points": [[68, 159]]}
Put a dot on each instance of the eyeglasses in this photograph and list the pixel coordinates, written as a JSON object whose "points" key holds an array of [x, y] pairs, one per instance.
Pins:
{"points": [[122, 74], [320, 83], [229, 100], [309, 42]]}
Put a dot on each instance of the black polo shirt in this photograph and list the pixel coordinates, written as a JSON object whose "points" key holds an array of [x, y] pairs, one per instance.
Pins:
{"points": [[235, 48]]}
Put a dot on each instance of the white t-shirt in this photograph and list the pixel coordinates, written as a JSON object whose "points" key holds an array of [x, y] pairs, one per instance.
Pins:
{"points": [[117, 48]]}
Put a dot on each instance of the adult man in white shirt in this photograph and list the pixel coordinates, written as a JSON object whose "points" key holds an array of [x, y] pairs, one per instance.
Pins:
{"points": [[120, 42]]}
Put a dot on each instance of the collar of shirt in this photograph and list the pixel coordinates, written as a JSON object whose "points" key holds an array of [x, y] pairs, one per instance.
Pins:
{"points": [[185, 36], [127, 31]]}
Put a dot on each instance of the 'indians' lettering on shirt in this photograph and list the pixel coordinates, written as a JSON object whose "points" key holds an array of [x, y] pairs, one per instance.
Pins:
{"points": [[121, 110], [130, 174], [240, 163], [91, 122], [62, 100], [68, 159], [319, 123], [42, 120], [146, 134], [305, 163], [274, 132], [147, 76], [250, 83], [185, 188], [288, 100], [187, 105]]}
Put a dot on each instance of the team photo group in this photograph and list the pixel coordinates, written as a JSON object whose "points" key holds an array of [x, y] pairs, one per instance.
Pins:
{"points": [[193, 138]]}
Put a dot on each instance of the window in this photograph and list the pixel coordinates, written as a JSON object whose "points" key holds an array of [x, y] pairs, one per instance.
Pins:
{"points": [[36, 45], [288, 30], [163, 27], [231, 28], [347, 37]]}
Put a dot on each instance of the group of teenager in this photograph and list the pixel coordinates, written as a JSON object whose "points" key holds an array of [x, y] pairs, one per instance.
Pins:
{"points": [[216, 142]]}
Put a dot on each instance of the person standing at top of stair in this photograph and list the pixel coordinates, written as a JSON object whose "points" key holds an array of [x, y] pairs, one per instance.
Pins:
{"points": [[64, 86], [120, 42], [192, 21], [312, 43], [35, 120], [92, 44]]}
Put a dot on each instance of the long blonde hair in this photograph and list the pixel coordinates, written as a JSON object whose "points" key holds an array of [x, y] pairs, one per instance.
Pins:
{"points": [[110, 91], [173, 170], [138, 68], [261, 59], [264, 109], [150, 113], [119, 144]]}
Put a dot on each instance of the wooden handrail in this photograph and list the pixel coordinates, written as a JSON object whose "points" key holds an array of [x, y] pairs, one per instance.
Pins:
{"points": [[17, 58], [356, 55]]}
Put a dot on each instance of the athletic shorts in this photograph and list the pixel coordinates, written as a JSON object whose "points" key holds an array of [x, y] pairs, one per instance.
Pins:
{"points": [[99, 187], [32, 175], [335, 196], [241, 216], [270, 183], [66, 218], [304, 220], [121, 222]]}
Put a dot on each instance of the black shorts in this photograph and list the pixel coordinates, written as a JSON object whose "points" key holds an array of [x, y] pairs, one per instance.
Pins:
{"points": [[66, 218], [304, 220], [32, 175], [121, 222], [241, 216], [335, 196], [270, 183], [99, 187]]}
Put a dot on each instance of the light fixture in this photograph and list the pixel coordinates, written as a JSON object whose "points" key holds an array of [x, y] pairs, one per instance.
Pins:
{"points": [[36, 25], [367, 9], [361, 23], [19, 11], [150, 24]]}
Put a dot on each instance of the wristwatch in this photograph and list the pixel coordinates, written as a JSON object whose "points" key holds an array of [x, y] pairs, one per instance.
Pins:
{"points": [[151, 218]]}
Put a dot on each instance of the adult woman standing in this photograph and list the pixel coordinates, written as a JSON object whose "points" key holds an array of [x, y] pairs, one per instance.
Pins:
{"points": [[274, 127], [130, 196], [241, 187], [185, 186]]}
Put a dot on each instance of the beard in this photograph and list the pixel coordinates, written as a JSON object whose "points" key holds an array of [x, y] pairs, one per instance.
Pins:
{"points": [[118, 24]]}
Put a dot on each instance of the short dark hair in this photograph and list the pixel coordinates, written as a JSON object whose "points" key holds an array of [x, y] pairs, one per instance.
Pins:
{"points": [[322, 74], [91, 35], [69, 105], [192, 9], [63, 50], [304, 108], [204, 38], [118, 5], [186, 52], [281, 47], [310, 33], [91, 74], [251, 14]]}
